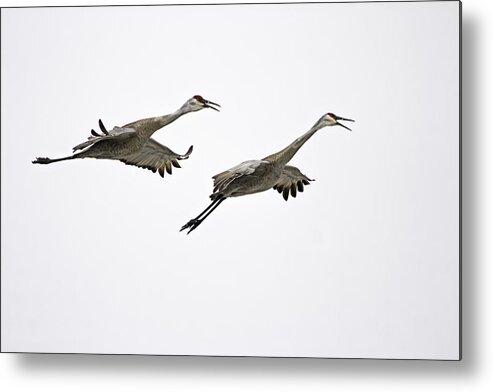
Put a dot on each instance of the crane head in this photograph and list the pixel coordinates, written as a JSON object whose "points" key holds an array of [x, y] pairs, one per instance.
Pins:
{"points": [[198, 103], [330, 119]]}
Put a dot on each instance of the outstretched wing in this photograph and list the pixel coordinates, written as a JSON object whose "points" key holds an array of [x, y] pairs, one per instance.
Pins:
{"points": [[156, 157], [291, 180], [222, 180], [117, 134]]}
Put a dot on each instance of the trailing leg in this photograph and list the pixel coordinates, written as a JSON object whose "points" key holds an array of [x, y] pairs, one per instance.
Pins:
{"points": [[194, 223], [45, 161]]}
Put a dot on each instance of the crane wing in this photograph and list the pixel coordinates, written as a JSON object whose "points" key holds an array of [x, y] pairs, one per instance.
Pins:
{"points": [[222, 180], [291, 180], [155, 157], [117, 133]]}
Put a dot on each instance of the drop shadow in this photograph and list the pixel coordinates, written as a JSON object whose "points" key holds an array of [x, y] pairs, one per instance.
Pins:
{"points": [[471, 190], [79, 364]]}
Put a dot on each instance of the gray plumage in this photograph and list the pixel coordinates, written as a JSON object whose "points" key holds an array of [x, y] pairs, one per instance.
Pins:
{"points": [[260, 175], [292, 180], [132, 143]]}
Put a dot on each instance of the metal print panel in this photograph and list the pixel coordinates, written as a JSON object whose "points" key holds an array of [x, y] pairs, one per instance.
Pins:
{"points": [[331, 227]]}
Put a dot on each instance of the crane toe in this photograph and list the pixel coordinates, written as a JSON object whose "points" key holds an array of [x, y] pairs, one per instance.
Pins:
{"points": [[190, 223]]}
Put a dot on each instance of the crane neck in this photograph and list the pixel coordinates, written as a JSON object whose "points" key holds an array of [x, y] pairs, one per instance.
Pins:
{"points": [[282, 157], [153, 124]]}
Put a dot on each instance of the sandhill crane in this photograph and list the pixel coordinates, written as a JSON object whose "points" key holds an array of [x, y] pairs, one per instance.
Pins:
{"points": [[260, 175], [132, 144]]}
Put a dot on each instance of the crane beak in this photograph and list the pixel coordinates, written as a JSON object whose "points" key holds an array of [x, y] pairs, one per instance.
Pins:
{"points": [[211, 105], [343, 119]]}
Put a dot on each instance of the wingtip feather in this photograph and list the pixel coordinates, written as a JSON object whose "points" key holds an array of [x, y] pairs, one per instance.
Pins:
{"points": [[102, 127], [187, 154]]}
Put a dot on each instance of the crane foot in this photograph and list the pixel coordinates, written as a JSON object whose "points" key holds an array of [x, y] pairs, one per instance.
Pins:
{"points": [[42, 160], [192, 224]]}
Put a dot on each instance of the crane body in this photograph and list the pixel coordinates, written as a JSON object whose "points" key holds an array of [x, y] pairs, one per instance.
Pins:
{"points": [[256, 176], [132, 143]]}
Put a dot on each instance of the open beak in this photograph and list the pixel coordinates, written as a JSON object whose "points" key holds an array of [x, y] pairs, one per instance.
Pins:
{"points": [[343, 119], [212, 105]]}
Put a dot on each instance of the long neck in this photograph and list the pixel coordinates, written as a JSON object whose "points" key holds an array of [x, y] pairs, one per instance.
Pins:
{"points": [[282, 157], [151, 125]]}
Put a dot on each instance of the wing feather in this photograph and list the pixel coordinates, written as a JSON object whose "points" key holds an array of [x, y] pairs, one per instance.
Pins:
{"points": [[155, 157], [291, 180], [224, 179], [117, 133]]}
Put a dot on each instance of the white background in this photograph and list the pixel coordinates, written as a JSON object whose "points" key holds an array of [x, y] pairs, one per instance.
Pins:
{"points": [[57, 372], [364, 264]]}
